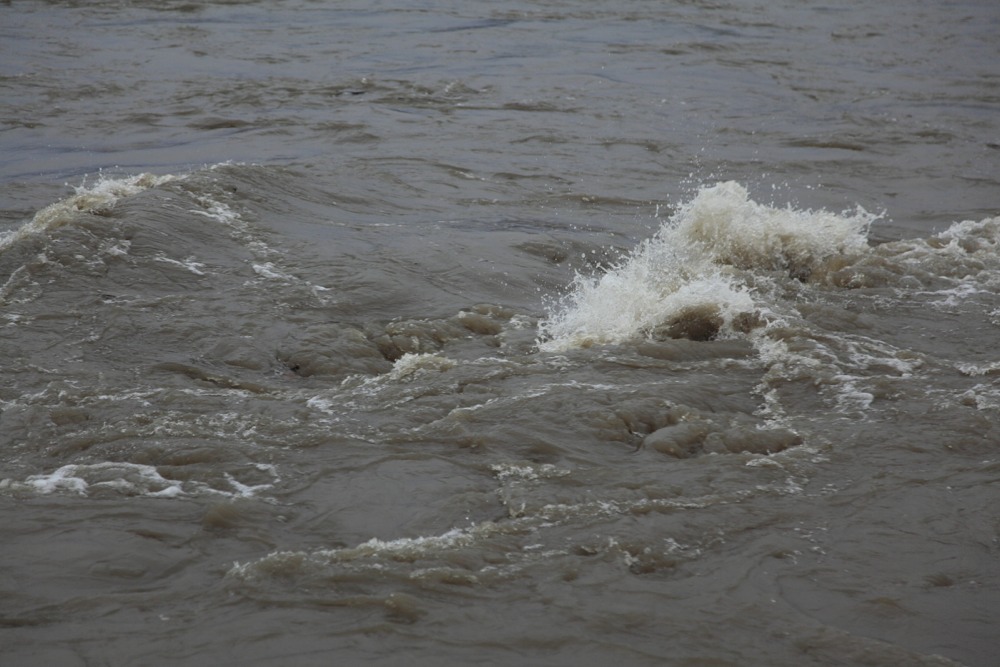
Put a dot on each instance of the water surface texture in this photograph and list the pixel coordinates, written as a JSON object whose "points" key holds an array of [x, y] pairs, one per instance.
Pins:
{"points": [[547, 333]]}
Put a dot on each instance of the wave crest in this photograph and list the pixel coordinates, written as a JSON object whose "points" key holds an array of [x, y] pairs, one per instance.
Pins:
{"points": [[692, 278]]}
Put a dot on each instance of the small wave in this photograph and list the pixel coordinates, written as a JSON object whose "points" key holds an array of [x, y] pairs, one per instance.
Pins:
{"points": [[97, 199]]}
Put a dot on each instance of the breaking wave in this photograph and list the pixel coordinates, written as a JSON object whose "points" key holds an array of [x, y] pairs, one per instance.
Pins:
{"points": [[701, 276]]}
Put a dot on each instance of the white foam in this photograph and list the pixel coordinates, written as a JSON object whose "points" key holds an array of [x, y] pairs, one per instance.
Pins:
{"points": [[527, 471], [374, 549], [957, 295], [409, 364], [218, 211], [269, 270], [248, 490], [129, 479], [188, 264], [102, 195], [732, 229], [698, 261], [850, 396], [982, 397], [974, 370], [414, 557], [865, 353], [975, 236]]}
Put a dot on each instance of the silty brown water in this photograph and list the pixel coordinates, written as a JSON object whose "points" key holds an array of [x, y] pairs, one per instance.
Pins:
{"points": [[534, 333]]}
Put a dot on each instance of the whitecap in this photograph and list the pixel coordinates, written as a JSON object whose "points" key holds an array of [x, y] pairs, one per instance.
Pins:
{"points": [[691, 279]]}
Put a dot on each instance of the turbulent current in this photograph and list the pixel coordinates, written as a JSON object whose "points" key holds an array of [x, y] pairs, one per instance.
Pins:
{"points": [[542, 333]]}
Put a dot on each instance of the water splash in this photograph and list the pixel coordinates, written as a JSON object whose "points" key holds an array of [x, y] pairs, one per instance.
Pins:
{"points": [[693, 279]]}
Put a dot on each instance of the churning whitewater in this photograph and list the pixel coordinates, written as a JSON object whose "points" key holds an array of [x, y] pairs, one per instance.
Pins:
{"points": [[545, 333], [467, 453], [695, 277]]}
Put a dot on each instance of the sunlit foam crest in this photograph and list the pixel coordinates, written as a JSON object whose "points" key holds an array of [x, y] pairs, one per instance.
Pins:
{"points": [[689, 279]]}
